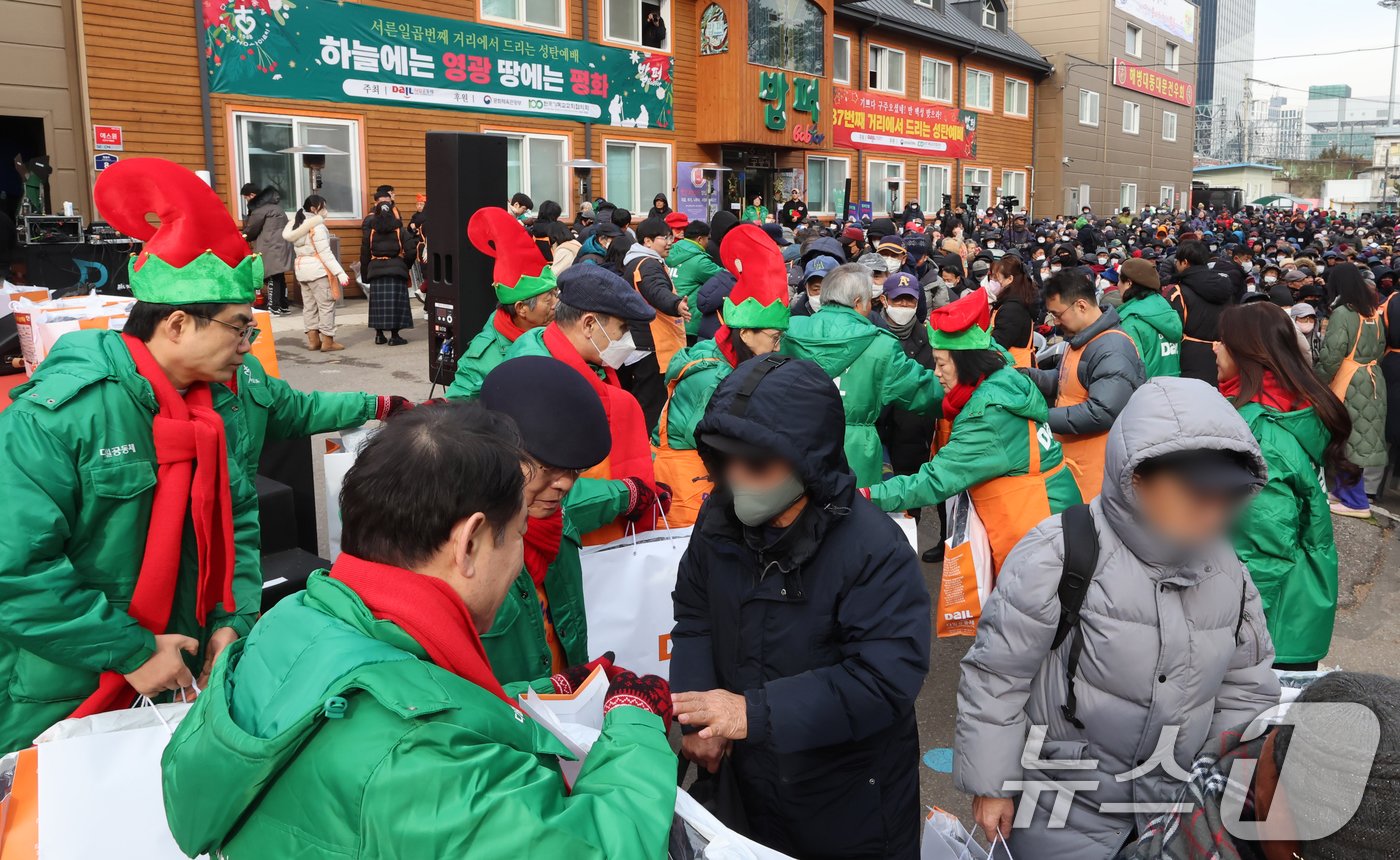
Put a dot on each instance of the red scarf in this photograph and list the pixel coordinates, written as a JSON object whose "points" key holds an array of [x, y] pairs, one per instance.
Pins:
{"points": [[542, 540], [506, 326], [955, 398], [428, 610], [1271, 394], [192, 477], [724, 339]]}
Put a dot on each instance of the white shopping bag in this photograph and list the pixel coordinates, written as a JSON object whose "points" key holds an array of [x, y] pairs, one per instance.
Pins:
{"points": [[909, 526], [99, 786], [945, 838], [627, 587], [339, 458], [967, 571]]}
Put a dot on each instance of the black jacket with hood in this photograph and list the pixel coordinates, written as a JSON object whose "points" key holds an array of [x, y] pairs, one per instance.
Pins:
{"points": [[823, 627], [1201, 294]]}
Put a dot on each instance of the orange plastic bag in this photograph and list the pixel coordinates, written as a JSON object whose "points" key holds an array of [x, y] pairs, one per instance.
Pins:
{"points": [[967, 571]]}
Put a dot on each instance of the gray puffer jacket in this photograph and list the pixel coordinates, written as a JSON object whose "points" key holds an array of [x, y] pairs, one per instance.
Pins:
{"points": [[1171, 639], [1110, 370]]}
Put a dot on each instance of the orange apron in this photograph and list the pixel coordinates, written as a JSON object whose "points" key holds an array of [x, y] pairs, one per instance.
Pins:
{"points": [[1012, 505], [1185, 315], [680, 469], [1084, 451], [1349, 366], [667, 332], [1020, 354]]}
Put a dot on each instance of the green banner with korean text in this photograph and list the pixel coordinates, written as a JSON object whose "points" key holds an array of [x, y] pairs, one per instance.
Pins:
{"points": [[323, 50]]}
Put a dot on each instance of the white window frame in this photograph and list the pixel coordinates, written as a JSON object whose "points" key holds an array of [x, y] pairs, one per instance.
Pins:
{"points": [[642, 204], [823, 206], [836, 77], [1172, 57], [291, 197], [1173, 124], [1024, 190], [935, 65], [989, 14], [521, 20], [885, 66], [968, 89], [565, 180], [1006, 97], [637, 43], [1094, 102], [1126, 199], [1132, 40], [1167, 194], [1132, 118], [879, 205], [926, 3], [988, 190], [931, 203]]}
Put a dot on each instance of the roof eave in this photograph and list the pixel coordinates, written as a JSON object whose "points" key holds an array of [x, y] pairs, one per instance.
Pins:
{"points": [[1041, 66]]}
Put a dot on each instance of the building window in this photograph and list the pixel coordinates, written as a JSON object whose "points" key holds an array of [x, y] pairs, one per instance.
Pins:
{"points": [[1013, 184], [885, 186], [645, 23], [841, 60], [977, 90], [1132, 42], [826, 184], [1127, 196], [259, 140], [935, 180], [925, 3], [535, 165], [636, 172], [548, 14], [989, 14], [1167, 195], [978, 181], [1173, 57], [886, 69], [1088, 107], [935, 80], [1018, 98], [1132, 117], [1168, 125], [788, 34]]}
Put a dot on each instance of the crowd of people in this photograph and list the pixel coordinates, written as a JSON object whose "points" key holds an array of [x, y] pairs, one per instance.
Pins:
{"points": [[1145, 412]]}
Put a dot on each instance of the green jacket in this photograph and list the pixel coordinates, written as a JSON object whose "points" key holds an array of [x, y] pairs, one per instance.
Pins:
{"points": [[78, 475], [1155, 328], [1285, 536], [485, 351], [870, 370], [328, 734], [988, 440], [1366, 395], [687, 405], [691, 266], [756, 214]]}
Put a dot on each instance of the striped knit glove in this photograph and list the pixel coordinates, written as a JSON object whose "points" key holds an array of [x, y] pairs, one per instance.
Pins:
{"points": [[648, 692]]}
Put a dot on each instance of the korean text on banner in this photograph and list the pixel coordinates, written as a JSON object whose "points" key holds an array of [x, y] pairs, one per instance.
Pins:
{"points": [[865, 120]]}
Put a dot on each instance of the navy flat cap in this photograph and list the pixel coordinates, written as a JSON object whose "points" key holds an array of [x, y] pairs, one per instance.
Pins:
{"points": [[560, 417], [594, 288]]}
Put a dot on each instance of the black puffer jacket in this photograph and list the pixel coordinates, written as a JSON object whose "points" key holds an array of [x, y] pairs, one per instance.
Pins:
{"points": [[1200, 295], [909, 435], [386, 250], [824, 628]]}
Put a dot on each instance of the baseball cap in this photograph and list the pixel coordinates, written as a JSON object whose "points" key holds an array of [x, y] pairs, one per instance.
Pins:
{"points": [[1302, 309], [819, 267]]}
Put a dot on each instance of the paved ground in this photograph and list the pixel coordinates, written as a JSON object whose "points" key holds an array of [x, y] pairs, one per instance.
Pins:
{"points": [[1367, 636]]}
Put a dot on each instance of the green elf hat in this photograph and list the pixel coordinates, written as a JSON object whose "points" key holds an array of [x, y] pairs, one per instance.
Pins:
{"points": [[963, 324], [196, 254], [759, 297], [521, 271]]}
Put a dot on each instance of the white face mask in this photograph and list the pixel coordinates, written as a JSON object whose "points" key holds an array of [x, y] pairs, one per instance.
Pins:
{"points": [[814, 302], [1248, 266], [899, 316], [1270, 279], [1040, 239], [991, 244], [616, 353], [1054, 267], [1103, 261], [1305, 325]]}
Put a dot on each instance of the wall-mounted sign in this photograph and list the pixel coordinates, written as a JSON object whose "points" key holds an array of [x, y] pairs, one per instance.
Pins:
{"points": [[1153, 83], [697, 190], [107, 137], [773, 90], [714, 30], [863, 120], [1175, 17], [103, 160], [324, 50]]}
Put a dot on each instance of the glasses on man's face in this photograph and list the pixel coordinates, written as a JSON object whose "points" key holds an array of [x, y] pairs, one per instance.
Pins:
{"points": [[246, 333], [776, 337], [555, 474]]}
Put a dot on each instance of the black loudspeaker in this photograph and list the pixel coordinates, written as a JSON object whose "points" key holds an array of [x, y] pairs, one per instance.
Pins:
{"points": [[465, 172]]}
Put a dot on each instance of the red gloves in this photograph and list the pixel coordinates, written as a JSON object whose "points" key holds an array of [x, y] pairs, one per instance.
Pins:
{"points": [[573, 677], [864, 491], [388, 407], [641, 499], [648, 692], [663, 497]]}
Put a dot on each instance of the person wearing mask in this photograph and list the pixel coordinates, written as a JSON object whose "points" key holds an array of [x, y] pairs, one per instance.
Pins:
{"points": [[1199, 293], [1285, 536], [999, 448], [1168, 639], [1017, 236], [1271, 282], [754, 319], [526, 291], [263, 229], [814, 275], [793, 211], [384, 262], [1243, 258], [644, 267], [1148, 319], [1097, 374], [919, 247], [867, 363], [755, 212], [318, 272], [691, 265], [594, 249], [1304, 318], [591, 333], [382, 654], [660, 208], [1015, 298], [802, 626], [1349, 364], [906, 435]]}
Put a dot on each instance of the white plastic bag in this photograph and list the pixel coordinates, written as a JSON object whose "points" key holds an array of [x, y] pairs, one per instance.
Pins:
{"points": [[945, 838], [627, 587], [337, 465], [967, 571]]}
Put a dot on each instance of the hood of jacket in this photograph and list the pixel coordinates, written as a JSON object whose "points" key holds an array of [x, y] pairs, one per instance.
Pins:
{"points": [[1164, 416], [1012, 391], [1157, 312], [592, 246], [292, 233], [824, 245], [1304, 425], [1211, 285], [81, 358], [1107, 320], [683, 252], [268, 195], [833, 337], [638, 251]]}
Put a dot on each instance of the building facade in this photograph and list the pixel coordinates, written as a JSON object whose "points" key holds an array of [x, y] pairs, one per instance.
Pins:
{"points": [[1225, 58], [1116, 118], [1339, 121]]}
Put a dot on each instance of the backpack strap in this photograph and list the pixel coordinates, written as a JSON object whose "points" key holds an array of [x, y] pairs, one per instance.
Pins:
{"points": [[770, 362], [1081, 557]]}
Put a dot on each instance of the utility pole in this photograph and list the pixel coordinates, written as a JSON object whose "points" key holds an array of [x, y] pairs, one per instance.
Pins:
{"points": [[1390, 102], [1245, 147]]}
